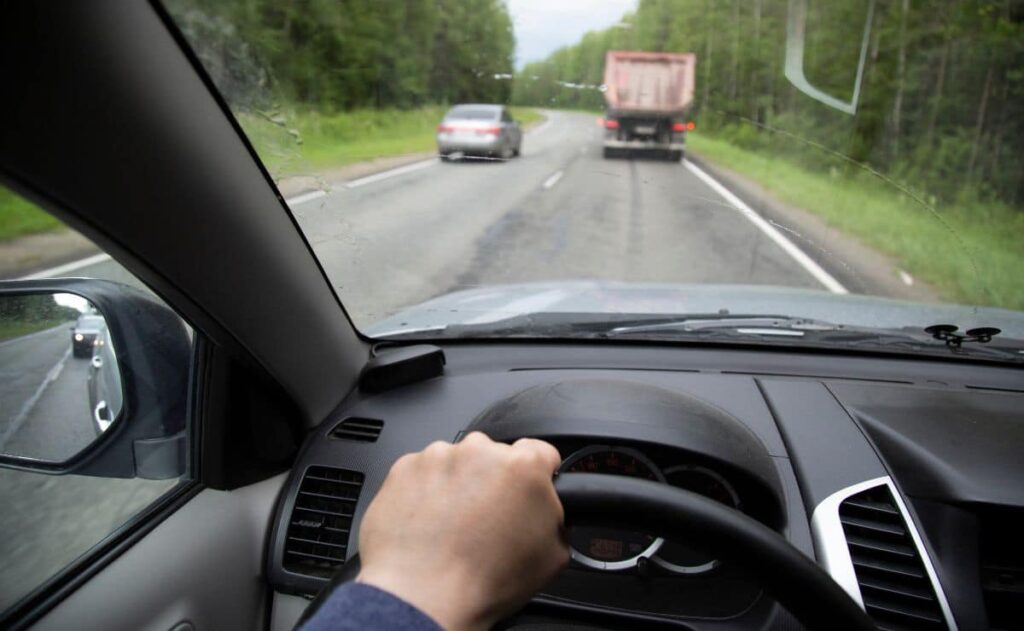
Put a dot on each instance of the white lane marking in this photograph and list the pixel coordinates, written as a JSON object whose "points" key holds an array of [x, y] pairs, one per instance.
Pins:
{"points": [[305, 197], [67, 267], [551, 181], [291, 201], [530, 304], [906, 278], [787, 246], [383, 175], [26, 408]]}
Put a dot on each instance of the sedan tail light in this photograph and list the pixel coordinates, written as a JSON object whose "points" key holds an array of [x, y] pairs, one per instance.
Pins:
{"points": [[444, 129], [489, 131]]}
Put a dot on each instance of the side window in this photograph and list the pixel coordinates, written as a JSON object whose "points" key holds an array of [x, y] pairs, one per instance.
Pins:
{"points": [[68, 406]]}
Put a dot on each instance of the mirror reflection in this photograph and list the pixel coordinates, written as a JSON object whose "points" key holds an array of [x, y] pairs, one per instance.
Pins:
{"points": [[60, 384]]}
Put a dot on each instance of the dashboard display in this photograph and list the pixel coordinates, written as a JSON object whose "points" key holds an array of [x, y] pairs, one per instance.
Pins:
{"points": [[610, 548], [678, 557], [607, 548]]}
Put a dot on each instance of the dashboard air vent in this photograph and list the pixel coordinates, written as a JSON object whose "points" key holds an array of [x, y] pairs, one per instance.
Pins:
{"points": [[894, 584], [321, 519], [1002, 566], [365, 430]]}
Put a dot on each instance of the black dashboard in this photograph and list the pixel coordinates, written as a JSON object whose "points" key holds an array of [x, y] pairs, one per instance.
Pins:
{"points": [[902, 478]]}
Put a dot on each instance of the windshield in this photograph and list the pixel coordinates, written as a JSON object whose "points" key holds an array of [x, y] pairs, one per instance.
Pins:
{"points": [[854, 163]]}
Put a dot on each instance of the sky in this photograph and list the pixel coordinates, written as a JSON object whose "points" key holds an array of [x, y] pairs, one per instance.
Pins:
{"points": [[542, 26]]}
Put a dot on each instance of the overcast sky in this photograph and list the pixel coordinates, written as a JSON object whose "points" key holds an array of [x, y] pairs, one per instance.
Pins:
{"points": [[542, 26]]}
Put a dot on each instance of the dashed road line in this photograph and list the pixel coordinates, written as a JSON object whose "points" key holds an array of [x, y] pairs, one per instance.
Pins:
{"points": [[551, 181]]}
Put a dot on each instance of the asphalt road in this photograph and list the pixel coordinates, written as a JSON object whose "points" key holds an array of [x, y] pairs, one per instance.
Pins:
{"points": [[559, 212], [44, 404]]}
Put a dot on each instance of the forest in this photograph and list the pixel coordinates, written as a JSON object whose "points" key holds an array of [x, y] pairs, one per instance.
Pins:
{"points": [[332, 55], [940, 109]]}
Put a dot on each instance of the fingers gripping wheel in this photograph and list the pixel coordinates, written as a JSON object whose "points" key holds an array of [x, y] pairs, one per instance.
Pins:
{"points": [[794, 580]]}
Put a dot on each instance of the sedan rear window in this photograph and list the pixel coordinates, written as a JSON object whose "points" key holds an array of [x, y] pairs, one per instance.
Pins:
{"points": [[473, 114]]}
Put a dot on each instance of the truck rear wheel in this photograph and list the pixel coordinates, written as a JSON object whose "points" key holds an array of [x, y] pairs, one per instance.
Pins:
{"points": [[610, 153], [675, 156]]}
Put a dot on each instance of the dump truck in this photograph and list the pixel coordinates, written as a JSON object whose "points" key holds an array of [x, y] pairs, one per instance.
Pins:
{"points": [[648, 98]]}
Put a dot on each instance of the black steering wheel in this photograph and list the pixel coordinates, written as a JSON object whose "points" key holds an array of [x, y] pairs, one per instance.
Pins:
{"points": [[790, 577]]}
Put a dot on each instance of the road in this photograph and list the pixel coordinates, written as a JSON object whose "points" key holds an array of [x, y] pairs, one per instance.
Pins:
{"points": [[44, 404], [394, 239], [559, 212]]}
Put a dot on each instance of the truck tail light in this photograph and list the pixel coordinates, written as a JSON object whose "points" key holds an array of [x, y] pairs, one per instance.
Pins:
{"points": [[611, 123], [678, 127]]}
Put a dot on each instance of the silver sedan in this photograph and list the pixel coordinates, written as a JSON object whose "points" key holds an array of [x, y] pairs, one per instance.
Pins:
{"points": [[479, 130]]}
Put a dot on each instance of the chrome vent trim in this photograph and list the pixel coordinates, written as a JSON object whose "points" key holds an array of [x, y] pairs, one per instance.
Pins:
{"points": [[833, 549]]}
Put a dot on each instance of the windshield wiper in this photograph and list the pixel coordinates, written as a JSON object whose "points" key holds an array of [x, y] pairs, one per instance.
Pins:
{"points": [[769, 330], [751, 325]]}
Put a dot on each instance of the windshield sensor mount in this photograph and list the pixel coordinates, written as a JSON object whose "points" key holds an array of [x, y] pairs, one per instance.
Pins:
{"points": [[948, 334]]}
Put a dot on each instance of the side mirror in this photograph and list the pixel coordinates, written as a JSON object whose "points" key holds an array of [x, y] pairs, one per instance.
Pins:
{"points": [[110, 398]]}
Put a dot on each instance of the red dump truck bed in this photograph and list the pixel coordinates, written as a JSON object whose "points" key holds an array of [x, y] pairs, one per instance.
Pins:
{"points": [[649, 82]]}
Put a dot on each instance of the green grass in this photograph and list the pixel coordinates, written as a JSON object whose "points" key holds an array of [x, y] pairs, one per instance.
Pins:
{"points": [[19, 217], [300, 142], [18, 328], [295, 143], [970, 252]]}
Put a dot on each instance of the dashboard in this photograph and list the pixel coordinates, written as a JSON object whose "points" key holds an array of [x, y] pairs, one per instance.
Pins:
{"points": [[901, 478]]}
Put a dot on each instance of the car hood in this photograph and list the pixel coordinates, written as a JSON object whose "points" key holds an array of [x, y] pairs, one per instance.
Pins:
{"points": [[498, 302]]}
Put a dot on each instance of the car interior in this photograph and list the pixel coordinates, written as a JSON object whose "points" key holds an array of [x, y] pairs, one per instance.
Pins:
{"points": [[782, 488]]}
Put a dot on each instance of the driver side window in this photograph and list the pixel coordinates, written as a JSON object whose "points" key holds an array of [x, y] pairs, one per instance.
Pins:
{"points": [[66, 406]]}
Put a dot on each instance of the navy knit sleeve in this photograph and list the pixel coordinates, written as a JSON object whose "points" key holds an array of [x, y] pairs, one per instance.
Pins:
{"points": [[357, 606]]}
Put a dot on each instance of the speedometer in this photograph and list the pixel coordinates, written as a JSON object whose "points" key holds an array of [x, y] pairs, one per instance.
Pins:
{"points": [[609, 548], [678, 557]]}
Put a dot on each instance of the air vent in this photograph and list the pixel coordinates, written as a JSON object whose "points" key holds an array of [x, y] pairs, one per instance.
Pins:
{"points": [[1002, 565], [362, 429], [896, 588], [317, 538]]}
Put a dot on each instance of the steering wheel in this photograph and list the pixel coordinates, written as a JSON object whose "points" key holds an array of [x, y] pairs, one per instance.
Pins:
{"points": [[785, 573], [791, 578]]}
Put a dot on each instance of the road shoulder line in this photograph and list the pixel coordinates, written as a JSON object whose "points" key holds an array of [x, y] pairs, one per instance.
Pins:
{"points": [[770, 231], [67, 267]]}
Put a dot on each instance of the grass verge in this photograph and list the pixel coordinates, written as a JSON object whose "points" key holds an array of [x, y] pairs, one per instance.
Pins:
{"points": [[296, 143], [301, 142], [970, 252], [19, 328], [20, 217]]}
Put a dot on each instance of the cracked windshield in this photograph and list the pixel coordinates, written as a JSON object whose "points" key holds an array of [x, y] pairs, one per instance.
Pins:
{"points": [[779, 171]]}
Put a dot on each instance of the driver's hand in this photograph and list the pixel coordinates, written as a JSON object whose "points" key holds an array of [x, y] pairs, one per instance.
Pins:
{"points": [[466, 532]]}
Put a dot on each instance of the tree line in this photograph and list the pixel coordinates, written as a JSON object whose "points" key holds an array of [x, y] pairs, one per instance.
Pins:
{"points": [[941, 104], [334, 55]]}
